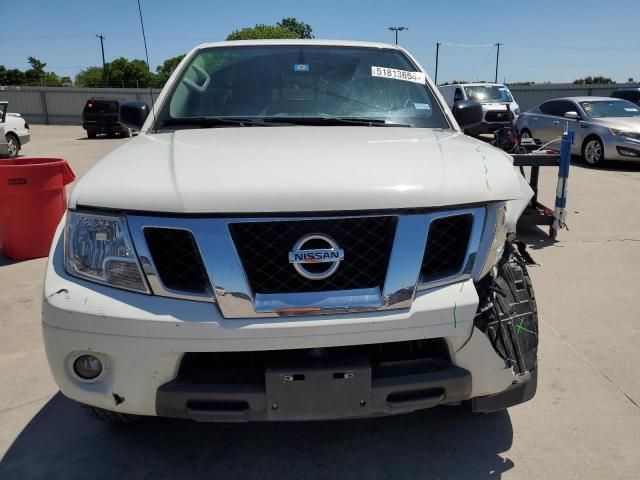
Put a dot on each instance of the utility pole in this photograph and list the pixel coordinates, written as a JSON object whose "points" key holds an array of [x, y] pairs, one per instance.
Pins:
{"points": [[398, 29], [104, 68], [435, 80], [497, 59]]}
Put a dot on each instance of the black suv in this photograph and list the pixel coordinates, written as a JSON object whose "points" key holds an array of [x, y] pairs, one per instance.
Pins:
{"points": [[100, 115], [631, 94]]}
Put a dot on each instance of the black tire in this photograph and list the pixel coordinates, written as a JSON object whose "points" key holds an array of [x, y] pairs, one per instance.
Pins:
{"points": [[126, 133], [109, 416], [13, 145], [91, 133], [593, 151]]}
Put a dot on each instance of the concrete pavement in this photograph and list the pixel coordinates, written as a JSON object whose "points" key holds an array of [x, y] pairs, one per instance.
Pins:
{"points": [[583, 423]]}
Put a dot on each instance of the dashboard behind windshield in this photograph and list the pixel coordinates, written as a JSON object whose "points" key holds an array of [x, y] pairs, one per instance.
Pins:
{"points": [[295, 81], [612, 108]]}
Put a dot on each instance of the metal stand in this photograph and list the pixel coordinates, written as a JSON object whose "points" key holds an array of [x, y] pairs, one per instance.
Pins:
{"points": [[536, 212]]}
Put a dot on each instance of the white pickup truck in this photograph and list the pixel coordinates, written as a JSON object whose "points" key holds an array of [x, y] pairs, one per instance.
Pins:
{"points": [[301, 231], [494, 98], [14, 131]]}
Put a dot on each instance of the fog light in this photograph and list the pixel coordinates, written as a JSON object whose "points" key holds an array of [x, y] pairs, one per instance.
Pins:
{"points": [[628, 152], [87, 367]]}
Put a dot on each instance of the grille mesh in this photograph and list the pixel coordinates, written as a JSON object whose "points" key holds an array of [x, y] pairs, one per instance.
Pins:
{"points": [[264, 248], [446, 246], [177, 259], [497, 116]]}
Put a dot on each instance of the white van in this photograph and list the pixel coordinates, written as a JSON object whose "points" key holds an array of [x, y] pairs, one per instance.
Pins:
{"points": [[494, 98]]}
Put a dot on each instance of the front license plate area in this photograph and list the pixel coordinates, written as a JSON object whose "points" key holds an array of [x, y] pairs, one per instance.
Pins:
{"points": [[318, 391]]}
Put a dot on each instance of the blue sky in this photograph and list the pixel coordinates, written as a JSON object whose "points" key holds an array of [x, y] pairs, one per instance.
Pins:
{"points": [[543, 40]]}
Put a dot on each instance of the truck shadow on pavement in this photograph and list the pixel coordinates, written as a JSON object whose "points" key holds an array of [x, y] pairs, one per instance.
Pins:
{"points": [[62, 442]]}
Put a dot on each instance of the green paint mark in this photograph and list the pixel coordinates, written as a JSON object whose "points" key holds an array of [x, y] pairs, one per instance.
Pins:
{"points": [[487, 182], [524, 329], [486, 170], [461, 287], [455, 318]]}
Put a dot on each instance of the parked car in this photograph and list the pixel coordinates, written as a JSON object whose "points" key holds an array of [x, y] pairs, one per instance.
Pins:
{"points": [[494, 98], [14, 131], [301, 231], [100, 115], [632, 94], [605, 128]]}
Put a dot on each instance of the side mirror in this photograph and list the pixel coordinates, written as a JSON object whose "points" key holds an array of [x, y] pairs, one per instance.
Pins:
{"points": [[572, 115], [133, 114], [467, 113]]}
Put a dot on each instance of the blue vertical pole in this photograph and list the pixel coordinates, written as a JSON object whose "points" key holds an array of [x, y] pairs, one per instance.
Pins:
{"points": [[559, 212]]}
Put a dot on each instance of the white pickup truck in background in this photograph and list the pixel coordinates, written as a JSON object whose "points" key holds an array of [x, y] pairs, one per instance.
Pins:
{"points": [[494, 98], [14, 131]]}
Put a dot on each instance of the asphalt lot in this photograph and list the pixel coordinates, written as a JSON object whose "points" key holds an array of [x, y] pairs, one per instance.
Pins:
{"points": [[584, 422]]}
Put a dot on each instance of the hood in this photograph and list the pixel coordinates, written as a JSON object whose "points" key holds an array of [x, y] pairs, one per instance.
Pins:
{"points": [[297, 169], [622, 123]]}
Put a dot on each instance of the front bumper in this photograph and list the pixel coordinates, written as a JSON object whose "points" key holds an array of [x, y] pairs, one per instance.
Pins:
{"points": [[141, 340], [24, 138], [616, 147]]}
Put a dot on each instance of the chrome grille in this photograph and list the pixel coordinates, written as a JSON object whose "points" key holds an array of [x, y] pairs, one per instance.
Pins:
{"points": [[203, 259], [264, 246]]}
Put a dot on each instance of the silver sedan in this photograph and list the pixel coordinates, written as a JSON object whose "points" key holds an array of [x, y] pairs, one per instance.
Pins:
{"points": [[605, 128]]}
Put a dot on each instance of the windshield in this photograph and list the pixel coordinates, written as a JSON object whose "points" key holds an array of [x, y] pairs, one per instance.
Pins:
{"points": [[610, 108], [296, 83], [488, 93]]}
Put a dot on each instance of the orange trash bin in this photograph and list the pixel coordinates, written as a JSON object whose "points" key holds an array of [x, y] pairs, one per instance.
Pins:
{"points": [[32, 202]]}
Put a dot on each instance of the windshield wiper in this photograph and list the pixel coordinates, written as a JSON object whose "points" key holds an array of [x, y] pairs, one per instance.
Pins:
{"points": [[210, 122], [367, 122]]}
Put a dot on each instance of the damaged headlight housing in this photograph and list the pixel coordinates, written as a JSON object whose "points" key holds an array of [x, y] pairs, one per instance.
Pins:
{"points": [[98, 248], [493, 241]]}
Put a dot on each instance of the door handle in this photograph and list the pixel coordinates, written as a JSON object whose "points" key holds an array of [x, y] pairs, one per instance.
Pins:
{"points": [[556, 122], [535, 118], [584, 126]]}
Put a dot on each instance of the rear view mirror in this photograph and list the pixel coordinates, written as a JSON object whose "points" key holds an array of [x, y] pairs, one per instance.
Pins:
{"points": [[572, 115], [133, 114], [467, 113]]}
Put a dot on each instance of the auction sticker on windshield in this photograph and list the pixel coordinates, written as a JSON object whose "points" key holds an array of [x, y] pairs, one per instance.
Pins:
{"points": [[416, 77]]}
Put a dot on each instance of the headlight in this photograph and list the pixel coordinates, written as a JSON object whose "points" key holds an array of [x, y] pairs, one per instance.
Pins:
{"points": [[625, 133], [99, 248], [493, 240]]}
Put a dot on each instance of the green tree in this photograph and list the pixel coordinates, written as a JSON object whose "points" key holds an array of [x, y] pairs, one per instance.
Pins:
{"points": [[11, 76], [128, 73], [121, 73], [90, 78], [164, 71], [598, 80], [300, 29], [35, 75], [261, 31]]}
